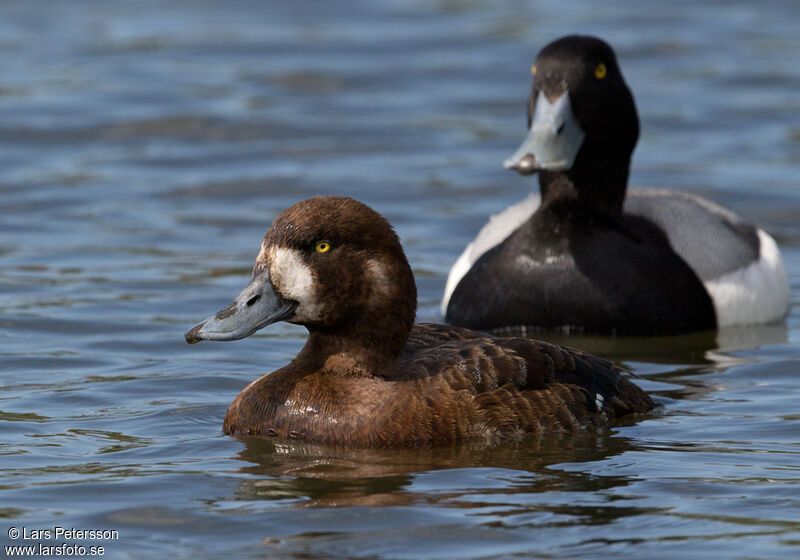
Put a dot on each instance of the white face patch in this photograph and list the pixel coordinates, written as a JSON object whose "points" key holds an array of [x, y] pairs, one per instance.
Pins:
{"points": [[294, 280]]}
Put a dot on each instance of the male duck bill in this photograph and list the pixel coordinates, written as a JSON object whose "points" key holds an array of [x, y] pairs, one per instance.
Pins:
{"points": [[583, 257], [367, 375], [553, 140]]}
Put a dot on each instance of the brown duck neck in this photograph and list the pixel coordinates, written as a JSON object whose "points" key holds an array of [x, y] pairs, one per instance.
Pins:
{"points": [[349, 355], [364, 346]]}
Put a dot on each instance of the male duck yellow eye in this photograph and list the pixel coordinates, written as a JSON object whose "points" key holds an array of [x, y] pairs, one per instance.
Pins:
{"points": [[533, 69], [600, 71], [323, 247]]}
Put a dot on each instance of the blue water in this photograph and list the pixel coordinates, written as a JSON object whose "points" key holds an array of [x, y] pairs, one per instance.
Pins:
{"points": [[146, 146]]}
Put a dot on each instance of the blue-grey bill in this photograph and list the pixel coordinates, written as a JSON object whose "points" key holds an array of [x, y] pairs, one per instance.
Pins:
{"points": [[256, 307], [553, 140]]}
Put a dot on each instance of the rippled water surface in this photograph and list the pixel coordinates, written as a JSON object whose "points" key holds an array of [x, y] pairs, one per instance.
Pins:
{"points": [[146, 146]]}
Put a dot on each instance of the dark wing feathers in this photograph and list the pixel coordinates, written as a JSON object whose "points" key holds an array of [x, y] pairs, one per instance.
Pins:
{"points": [[550, 364], [555, 364], [524, 377]]}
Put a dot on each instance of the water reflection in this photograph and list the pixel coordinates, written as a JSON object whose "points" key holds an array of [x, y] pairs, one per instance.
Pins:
{"points": [[436, 500], [734, 339], [709, 347], [683, 349], [321, 476]]}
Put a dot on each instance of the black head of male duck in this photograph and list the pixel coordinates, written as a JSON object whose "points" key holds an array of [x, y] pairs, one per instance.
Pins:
{"points": [[582, 124], [367, 376], [583, 257]]}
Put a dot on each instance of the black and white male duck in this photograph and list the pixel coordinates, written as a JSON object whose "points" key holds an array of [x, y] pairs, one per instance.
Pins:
{"points": [[367, 375], [581, 257]]}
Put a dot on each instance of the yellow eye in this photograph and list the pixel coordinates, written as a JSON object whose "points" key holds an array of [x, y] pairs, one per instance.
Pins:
{"points": [[533, 69], [600, 71], [323, 247]]}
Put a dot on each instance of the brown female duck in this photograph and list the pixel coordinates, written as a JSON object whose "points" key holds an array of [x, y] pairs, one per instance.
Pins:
{"points": [[367, 375]]}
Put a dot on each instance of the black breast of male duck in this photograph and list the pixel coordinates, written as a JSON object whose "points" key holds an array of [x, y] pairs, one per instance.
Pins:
{"points": [[574, 260], [367, 376], [582, 273]]}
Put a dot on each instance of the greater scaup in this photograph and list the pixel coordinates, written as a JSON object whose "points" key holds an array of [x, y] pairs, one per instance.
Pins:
{"points": [[581, 257], [367, 375]]}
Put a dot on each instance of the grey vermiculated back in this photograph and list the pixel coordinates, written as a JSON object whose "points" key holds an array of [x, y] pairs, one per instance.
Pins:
{"points": [[711, 239]]}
